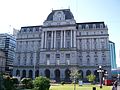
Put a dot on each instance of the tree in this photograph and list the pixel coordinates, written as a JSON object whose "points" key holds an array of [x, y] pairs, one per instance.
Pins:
{"points": [[27, 82], [8, 83], [91, 78], [41, 83], [1, 82], [74, 75]]}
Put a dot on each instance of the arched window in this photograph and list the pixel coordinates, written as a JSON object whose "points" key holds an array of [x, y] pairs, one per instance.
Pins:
{"points": [[81, 73], [36, 73], [101, 25], [87, 26], [94, 26], [57, 75], [67, 75], [30, 74], [23, 73], [17, 72], [88, 72], [47, 73]]}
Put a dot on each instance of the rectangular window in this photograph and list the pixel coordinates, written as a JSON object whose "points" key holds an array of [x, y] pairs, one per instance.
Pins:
{"points": [[67, 56], [47, 56], [57, 56], [68, 44]]}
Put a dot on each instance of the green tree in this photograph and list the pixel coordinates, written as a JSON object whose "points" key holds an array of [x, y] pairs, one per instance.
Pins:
{"points": [[74, 75], [8, 83], [1, 82], [27, 82], [91, 78], [41, 83]]}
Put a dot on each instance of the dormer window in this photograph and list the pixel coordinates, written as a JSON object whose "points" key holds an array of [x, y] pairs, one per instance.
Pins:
{"points": [[94, 26], [31, 30], [24, 30], [79, 27], [87, 26], [34, 29], [101, 25]]}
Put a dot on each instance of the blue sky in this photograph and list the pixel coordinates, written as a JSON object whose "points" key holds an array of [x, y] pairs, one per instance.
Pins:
{"points": [[17, 13]]}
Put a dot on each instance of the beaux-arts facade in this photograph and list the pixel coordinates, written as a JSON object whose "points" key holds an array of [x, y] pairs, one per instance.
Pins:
{"points": [[53, 48]]}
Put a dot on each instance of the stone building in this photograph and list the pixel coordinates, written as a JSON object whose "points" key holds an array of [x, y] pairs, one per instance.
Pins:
{"points": [[8, 45], [53, 48], [2, 61]]}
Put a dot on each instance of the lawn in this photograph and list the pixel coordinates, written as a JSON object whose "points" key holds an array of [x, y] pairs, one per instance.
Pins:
{"points": [[71, 87]]}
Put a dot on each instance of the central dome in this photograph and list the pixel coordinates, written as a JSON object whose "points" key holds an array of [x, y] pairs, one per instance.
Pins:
{"points": [[66, 12]]}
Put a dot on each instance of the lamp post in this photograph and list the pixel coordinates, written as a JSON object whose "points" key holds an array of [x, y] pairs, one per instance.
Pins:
{"points": [[106, 74], [100, 70], [74, 83]]}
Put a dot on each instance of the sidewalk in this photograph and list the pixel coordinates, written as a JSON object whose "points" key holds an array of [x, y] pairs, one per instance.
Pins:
{"points": [[118, 87]]}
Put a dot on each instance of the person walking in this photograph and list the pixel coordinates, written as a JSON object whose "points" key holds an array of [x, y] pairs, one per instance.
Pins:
{"points": [[114, 85]]}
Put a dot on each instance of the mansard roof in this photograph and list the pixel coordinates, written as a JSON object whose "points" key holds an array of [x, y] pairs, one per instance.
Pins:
{"points": [[67, 12]]}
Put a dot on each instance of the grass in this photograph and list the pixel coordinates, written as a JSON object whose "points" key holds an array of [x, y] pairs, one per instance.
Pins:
{"points": [[71, 87]]}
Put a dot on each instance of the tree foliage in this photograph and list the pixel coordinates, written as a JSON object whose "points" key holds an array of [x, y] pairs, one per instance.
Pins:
{"points": [[91, 78], [1, 82], [41, 83], [8, 83], [27, 82], [75, 75]]}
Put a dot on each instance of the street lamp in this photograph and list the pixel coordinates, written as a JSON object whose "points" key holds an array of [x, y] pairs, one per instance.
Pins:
{"points": [[100, 70], [106, 74]]}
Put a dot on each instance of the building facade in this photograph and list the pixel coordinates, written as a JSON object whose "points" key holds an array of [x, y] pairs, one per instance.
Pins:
{"points": [[7, 45], [112, 55], [53, 48], [2, 61]]}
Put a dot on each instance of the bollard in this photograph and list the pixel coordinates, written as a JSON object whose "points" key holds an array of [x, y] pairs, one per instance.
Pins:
{"points": [[94, 88]]}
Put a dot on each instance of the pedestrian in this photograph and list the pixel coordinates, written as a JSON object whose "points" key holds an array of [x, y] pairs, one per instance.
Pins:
{"points": [[114, 86]]}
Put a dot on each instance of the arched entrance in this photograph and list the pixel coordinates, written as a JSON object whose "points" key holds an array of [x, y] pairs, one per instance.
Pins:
{"points": [[36, 73], [23, 73], [88, 72], [81, 73], [57, 75], [96, 76], [30, 74], [47, 73], [17, 72], [67, 75]]}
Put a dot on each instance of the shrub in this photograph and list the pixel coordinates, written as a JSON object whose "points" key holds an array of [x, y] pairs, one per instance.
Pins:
{"points": [[91, 78], [1, 82], [62, 83], [28, 84], [41, 83], [8, 83], [15, 80]]}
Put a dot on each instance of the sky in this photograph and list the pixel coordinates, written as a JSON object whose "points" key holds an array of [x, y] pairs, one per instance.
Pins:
{"points": [[18, 13]]}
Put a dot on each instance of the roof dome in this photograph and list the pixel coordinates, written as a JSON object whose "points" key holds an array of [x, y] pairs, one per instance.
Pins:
{"points": [[66, 12]]}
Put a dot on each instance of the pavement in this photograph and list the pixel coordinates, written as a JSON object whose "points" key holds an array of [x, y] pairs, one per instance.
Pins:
{"points": [[118, 87]]}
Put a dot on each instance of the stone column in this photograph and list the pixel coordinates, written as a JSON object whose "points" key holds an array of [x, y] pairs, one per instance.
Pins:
{"points": [[55, 39], [34, 60], [52, 40], [42, 41], [61, 39], [74, 38], [64, 39], [45, 38], [71, 38]]}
